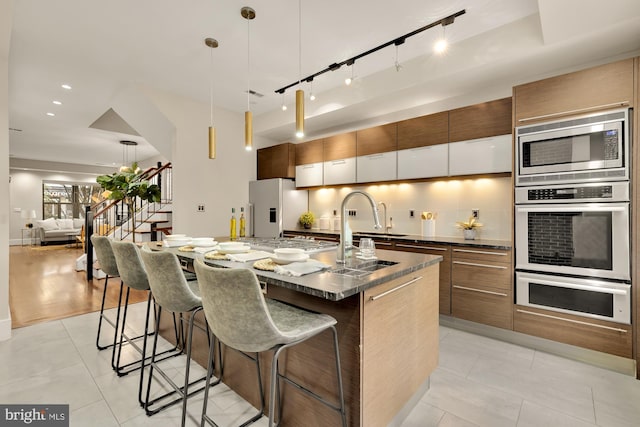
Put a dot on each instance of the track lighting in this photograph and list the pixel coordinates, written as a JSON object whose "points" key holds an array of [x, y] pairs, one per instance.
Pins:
{"points": [[284, 107], [350, 78], [397, 41]]}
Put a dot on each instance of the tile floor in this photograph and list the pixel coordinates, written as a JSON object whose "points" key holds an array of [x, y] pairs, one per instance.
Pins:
{"points": [[479, 382]]}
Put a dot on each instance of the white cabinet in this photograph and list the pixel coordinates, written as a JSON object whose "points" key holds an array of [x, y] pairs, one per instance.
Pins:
{"points": [[377, 167], [484, 155], [423, 162], [342, 171], [309, 175]]}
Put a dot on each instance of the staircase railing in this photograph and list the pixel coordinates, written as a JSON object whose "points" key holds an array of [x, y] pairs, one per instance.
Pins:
{"points": [[113, 219]]}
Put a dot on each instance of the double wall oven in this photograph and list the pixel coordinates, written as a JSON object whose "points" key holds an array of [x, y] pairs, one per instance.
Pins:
{"points": [[572, 222]]}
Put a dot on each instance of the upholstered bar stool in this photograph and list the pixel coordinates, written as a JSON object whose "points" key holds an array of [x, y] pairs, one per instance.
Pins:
{"points": [[108, 265], [242, 318], [134, 276], [172, 292]]}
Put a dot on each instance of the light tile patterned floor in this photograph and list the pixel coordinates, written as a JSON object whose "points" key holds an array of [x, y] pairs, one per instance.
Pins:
{"points": [[479, 382]]}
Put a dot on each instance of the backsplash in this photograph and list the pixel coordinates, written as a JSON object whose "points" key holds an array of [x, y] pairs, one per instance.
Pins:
{"points": [[450, 201]]}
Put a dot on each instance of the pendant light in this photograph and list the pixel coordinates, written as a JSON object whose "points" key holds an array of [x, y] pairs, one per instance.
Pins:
{"points": [[248, 14], [212, 43], [299, 92]]}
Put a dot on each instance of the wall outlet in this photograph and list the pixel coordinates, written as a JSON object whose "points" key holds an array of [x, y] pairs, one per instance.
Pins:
{"points": [[200, 208], [412, 213], [475, 213], [351, 212]]}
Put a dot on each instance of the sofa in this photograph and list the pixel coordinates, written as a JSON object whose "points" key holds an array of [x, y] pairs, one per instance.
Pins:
{"points": [[58, 230]]}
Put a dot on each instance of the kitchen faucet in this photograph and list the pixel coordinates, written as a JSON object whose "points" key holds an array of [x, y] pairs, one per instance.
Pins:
{"points": [[390, 226], [341, 255]]}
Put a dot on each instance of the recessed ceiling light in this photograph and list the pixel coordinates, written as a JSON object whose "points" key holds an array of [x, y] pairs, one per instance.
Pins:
{"points": [[50, 114], [66, 86], [57, 102]]}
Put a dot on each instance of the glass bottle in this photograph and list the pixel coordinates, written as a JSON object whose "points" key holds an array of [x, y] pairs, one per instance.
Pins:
{"points": [[243, 223], [232, 225]]}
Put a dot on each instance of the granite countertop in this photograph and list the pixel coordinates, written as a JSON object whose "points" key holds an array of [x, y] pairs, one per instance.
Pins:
{"points": [[417, 238], [325, 284]]}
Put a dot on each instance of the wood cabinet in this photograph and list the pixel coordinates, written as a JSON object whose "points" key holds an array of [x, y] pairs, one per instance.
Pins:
{"points": [[277, 161], [594, 334], [399, 343], [597, 88], [444, 296], [340, 146], [309, 152], [480, 156], [481, 285], [423, 131], [378, 139], [480, 120]]}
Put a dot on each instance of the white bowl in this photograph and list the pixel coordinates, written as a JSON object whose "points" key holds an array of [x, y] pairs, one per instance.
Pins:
{"points": [[203, 241], [291, 254], [176, 237], [277, 260], [232, 245]]}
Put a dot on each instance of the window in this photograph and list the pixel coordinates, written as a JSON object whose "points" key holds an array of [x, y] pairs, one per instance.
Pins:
{"points": [[67, 200]]}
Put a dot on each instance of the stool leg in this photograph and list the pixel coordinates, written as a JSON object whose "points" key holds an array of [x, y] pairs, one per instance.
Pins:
{"points": [[153, 360], [185, 390], [275, 378], [115, 361], [102, 316], [144, 349]]}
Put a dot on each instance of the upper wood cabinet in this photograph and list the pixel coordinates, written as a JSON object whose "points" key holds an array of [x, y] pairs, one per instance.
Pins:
{"points": [[480, 120], [597, 88], [379, 139], [340, 146], [309, 152], [422, 131], [277, 161]]}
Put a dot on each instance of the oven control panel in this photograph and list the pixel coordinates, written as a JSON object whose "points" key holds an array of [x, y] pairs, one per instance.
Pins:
{"points": [[601, 192]]}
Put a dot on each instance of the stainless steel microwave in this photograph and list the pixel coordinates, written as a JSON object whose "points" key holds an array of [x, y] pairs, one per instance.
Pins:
{"points": [[588, 148]]}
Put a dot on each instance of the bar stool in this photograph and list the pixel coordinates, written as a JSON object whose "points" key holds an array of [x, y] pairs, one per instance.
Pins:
{"points": [[172, 292], [102, 246], [134, 276], [242, 318]]}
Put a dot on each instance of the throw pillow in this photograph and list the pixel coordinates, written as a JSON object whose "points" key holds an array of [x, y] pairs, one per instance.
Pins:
{"points": [[48, 224], [65, 224], [78, 222]]}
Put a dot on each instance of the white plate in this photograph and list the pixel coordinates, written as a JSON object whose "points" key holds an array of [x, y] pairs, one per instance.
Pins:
{"points": [[234, 250], [281, 261], [204, 245]]}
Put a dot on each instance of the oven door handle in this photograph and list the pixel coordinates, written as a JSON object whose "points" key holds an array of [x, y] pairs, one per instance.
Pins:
{"points": [[581, 208], [581, 287]]}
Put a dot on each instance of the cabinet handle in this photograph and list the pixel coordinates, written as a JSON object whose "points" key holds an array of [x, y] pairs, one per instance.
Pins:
{"points": [[397, 288], [498, 267], [308, 166], [383, 243], [374, 156], [469, 251], [401, 245], [500, 294], [609, 328], [338, 162], [579, 110]]}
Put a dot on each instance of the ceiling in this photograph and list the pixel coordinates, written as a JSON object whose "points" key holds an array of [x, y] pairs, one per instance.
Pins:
{"points": [[103, 47]]}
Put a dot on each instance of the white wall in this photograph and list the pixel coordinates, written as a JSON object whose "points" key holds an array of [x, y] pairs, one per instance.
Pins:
{"points": [[26, 193], [219, 184], [450, 200], [6, 12]]}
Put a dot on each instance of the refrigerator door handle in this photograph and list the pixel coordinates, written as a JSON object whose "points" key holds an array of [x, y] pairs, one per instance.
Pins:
{"points": [[252, 220]]}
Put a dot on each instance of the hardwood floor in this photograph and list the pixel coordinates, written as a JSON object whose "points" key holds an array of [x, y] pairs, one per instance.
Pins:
{"points": [[44, 285]]}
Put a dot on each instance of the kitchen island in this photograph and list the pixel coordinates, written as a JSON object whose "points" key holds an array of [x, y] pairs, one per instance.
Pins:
{"points": [[388, 334]]}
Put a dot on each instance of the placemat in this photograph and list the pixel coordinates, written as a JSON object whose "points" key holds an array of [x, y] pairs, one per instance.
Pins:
{"points": [[187, 248], [265, 264], [216, 255]]}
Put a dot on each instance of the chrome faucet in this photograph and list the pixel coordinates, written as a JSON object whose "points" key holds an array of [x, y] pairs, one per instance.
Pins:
{"points": [[341, 255], [390, 223]]}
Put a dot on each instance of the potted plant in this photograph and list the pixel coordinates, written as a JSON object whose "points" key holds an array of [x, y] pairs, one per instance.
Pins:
{"points": [[307, 219], [469, 227], [128, 185]]}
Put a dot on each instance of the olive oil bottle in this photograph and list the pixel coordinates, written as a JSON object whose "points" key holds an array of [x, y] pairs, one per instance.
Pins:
{"points": [[232, 225], [243, 223]]}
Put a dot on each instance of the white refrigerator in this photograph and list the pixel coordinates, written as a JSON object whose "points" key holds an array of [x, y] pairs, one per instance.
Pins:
{"points": [[274, 206]]}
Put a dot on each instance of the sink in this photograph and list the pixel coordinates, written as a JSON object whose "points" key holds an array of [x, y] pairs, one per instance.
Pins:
{"points": [[362, 268]]}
